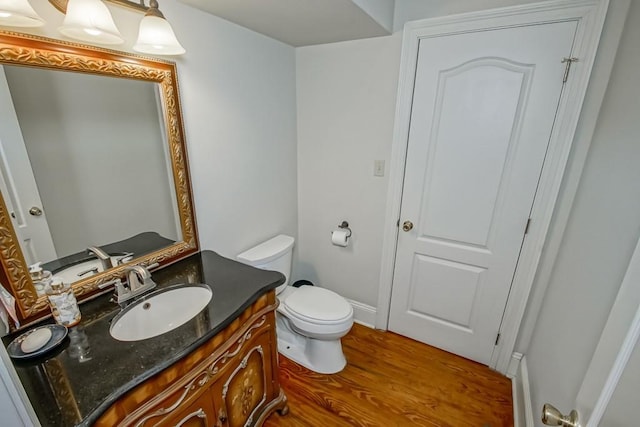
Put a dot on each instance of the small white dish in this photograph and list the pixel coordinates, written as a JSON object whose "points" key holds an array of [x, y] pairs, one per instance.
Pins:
{"points": [[58, 334]]}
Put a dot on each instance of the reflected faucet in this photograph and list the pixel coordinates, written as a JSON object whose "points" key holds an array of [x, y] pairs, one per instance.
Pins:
{"points": [[104, 257], [122, 258]]}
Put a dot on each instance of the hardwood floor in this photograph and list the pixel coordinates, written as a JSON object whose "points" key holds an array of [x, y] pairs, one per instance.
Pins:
{"points": [[394, 381]]}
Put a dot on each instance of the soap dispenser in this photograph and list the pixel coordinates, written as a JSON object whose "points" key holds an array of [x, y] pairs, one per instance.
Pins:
{"points": [[63, 303], [41, 278]]}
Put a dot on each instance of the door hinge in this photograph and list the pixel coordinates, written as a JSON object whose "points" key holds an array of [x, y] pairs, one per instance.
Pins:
{"points": [[398, 223], [526, 227], [567, 67], [497, 338]]}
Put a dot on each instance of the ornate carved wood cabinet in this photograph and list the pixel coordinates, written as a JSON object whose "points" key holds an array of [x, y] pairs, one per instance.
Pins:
{"points": [[229, 381]]}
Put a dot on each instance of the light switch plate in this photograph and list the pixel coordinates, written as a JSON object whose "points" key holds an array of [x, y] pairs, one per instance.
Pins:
{"points": [[378, 168]]}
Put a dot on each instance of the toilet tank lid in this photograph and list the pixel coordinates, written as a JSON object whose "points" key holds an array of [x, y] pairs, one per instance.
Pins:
{"points": [[267, 251]]}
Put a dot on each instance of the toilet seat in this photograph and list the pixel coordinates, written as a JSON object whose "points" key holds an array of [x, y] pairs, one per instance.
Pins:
{"points": [[318, 305]]}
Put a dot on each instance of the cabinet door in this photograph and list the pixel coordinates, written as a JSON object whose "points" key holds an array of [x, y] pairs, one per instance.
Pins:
{"points": [[245, 388]]}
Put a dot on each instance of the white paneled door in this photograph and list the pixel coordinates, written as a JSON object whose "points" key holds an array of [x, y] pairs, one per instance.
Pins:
{"points": [[483, 110]]}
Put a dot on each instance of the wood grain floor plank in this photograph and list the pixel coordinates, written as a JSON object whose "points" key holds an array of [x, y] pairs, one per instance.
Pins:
{"points": [[394, 381]]}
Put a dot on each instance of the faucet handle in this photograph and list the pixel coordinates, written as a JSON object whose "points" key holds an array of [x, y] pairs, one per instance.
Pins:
{"points": [[109, 283], [123, 258], [122, 294]]}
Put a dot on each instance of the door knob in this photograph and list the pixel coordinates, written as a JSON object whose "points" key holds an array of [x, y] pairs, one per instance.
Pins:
{"points": [[552, 417], [407, 226], [35, 211]]}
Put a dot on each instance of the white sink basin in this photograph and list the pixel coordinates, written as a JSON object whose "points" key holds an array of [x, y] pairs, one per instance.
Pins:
{"points": [[160, 312]]}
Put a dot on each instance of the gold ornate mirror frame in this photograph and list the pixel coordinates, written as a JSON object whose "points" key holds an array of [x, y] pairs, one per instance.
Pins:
{"points": [[33, 51]]}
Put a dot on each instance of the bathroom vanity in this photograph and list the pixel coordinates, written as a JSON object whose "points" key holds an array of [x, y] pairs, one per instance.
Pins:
{"points": [[218, 369]]}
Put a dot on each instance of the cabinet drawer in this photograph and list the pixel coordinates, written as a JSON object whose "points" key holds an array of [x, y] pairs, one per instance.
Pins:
{"points": [[200, 413], [173, 404]]}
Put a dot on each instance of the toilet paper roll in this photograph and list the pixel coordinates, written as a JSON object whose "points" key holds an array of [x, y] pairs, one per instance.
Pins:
{"points": [[339, 237]]}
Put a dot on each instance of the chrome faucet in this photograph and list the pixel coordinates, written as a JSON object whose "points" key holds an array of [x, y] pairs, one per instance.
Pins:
{"points": [[104, 257], [139, 280]]}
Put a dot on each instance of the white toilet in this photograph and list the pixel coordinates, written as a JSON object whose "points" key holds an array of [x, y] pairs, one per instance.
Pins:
{"points": [[310, 320]]}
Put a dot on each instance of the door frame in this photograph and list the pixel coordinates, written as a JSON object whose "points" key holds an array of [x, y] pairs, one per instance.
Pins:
{"points": [[619, 336], [590, 16], [614, 349]]}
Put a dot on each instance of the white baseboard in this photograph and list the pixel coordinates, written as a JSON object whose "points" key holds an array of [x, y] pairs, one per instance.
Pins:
{"points": [[363, 314], [522, 406], [514, 365]]}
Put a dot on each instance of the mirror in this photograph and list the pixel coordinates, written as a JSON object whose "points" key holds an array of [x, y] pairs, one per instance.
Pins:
{"points": [[87, 156], [92, 155]]}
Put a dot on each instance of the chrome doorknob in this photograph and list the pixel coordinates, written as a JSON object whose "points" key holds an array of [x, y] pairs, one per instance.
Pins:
{"points": [[552, 417], [35, 211], [407, 226]]}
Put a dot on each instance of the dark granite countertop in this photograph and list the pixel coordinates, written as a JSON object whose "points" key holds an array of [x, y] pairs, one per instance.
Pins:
{"points": [[78, 381]]}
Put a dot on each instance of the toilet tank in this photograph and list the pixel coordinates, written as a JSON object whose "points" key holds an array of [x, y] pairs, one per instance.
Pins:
{"points": [[274, 254]]}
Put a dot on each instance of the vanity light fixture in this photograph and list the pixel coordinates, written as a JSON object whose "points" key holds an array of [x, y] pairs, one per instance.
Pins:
{"points": [[91, 21], [155, 35], [19, 13]]}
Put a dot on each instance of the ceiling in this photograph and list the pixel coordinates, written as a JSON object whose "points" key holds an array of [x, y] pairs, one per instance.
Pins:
{"points": [[305, 22]]}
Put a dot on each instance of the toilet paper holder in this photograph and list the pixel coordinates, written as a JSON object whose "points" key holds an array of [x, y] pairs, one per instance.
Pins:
{"points": [[345, 226]]}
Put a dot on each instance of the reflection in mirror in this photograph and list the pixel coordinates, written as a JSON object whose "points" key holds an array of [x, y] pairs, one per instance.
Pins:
{"points": [[86, 165], [108, 163]]}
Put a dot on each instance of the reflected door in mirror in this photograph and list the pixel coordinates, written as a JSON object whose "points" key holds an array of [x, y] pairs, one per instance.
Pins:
{"points": [[18, 184]]}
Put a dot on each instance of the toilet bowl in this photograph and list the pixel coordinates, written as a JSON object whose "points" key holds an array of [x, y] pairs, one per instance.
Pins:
{"points": [[310, 320]]}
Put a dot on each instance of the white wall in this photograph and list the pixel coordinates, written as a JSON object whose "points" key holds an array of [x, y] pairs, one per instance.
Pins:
{"points": [[238, 100], [602, 231], [239, 105], [346, 99]]}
